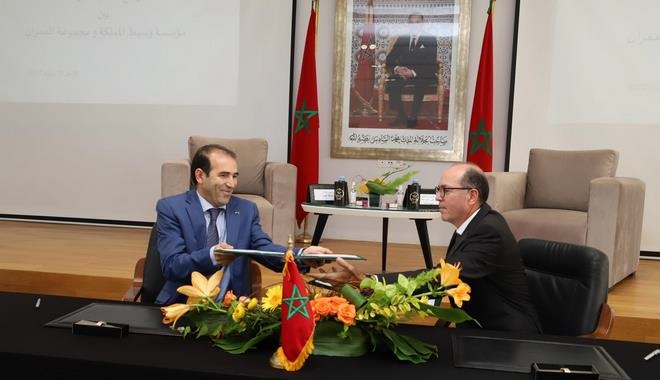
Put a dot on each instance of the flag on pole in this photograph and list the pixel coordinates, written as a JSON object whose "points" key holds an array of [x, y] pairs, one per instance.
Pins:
{"points": [[363, 85], [305, 129], [297, 318], [480, 143]]}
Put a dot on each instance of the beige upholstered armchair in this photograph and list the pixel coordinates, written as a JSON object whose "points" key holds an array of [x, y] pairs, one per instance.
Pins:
{"points": [[574, 197], [271, 185]]}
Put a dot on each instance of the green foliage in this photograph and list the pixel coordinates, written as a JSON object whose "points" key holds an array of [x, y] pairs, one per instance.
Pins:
{"points": [[381, 186]]}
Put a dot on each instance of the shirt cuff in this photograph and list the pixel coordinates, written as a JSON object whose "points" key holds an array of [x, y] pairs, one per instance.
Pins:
{"points": [[212, 255]]}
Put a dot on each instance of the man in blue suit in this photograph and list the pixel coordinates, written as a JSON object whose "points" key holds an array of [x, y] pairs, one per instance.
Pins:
{"points": [[187, 239]]}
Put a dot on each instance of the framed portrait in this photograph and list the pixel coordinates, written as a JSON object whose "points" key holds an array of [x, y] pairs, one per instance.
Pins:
{"points": [[400, 79]]}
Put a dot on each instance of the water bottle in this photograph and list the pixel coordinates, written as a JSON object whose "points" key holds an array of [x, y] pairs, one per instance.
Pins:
{"points": [[414, 191], [400, 196], [352, 196], [341, 191]]}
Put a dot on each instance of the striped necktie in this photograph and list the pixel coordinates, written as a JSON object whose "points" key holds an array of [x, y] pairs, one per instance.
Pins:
{"points": [[212, 235]]}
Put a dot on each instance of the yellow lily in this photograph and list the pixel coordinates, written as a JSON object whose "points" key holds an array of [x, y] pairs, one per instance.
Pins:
{"points": [[448, 274], [173, 312], [460, 293], [201, 287]]}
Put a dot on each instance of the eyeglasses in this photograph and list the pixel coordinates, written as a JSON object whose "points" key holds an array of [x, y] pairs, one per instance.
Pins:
{"points": [[442, 190]]}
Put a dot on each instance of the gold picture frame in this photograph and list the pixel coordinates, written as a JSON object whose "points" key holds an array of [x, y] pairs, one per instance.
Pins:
{"points": [[365, 123]]}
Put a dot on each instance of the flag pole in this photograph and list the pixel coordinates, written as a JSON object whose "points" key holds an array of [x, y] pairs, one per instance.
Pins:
{"points": [[304, 237]]}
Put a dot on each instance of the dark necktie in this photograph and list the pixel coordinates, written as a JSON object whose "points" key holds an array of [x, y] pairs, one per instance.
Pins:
{"points": [[451, 243], [212, 237], [413, 42]]}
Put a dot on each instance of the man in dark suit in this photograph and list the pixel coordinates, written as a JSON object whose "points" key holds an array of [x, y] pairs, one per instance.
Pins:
{"points": [[191, 225], [412, 61], [486, 249]]}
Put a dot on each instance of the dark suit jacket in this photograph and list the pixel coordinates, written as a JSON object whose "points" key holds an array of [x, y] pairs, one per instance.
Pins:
{"points": [[423, 59], [182, 246], [491, 265]]}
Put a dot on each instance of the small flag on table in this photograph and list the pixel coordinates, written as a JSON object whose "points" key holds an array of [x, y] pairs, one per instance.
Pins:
{"points": [[297, 318]]}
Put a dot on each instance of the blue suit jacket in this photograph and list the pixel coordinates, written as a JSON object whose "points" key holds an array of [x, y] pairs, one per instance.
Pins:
{"points": [[182, 243]]}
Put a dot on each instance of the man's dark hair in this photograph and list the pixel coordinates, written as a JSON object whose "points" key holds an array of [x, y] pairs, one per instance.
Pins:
{"points": [[201, 159], [475, 178]]}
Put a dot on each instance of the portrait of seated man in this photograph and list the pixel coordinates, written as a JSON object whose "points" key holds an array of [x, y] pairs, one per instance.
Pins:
{"points": [[411, 64]]}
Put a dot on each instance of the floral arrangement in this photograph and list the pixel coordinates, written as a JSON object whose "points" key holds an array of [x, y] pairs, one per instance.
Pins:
{"points": [[380, 185], [349, 323]]}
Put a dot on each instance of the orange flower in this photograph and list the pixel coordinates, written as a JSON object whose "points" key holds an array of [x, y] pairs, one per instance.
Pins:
{"points": [[229, 296], [346, 314], [335, 302], [173, 312], [460, 293], [200, 287], [448, 274], [321, 307]]}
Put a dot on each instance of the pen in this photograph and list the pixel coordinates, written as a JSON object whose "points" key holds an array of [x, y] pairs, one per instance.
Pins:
{"points": [[36, 305], [652, 354]]}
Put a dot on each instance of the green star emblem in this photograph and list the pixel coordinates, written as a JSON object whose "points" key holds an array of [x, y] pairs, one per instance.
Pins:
{"points": [[303, 115], [480, 139], [301, 308]]}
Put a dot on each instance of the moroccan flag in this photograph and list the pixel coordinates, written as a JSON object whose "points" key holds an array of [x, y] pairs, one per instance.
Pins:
{"points": [[364, 78], [305, 141], [297, 318], [480, 143]]}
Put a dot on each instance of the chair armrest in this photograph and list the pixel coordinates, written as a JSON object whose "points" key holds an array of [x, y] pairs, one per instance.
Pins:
{"points": [[614, 224], [133, 293], [280, 191], [605, 323], [174, 177], [507, 190]]}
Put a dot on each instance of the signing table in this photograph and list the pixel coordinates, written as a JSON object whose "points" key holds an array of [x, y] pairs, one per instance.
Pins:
{"points": [[31, 350], [419, 217]]}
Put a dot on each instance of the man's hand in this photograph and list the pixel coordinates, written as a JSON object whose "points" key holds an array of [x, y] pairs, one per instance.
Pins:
{"points": [[342, 273], [404, 72], [317, 249], [224, 259]]}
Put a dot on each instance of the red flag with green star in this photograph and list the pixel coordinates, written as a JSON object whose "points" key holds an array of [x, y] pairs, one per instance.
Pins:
{"points": [[305, 141], [297, 318], [480, 143]]}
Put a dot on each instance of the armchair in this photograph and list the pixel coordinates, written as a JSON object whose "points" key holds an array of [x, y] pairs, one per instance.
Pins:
{"points": [[271, 185], [574, 197], [568, 285]]}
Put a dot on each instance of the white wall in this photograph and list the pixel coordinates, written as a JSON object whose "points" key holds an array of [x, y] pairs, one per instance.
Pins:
{"points": [[96, 154], [430, 172], [107, 157], [587, 78]]}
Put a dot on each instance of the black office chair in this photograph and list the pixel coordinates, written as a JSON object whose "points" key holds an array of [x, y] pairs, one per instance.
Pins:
{"points": [[568, 285], [148, 277]]}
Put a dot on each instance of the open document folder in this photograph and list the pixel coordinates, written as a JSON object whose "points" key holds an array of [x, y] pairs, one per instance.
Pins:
{"points": [[304, 256]]}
